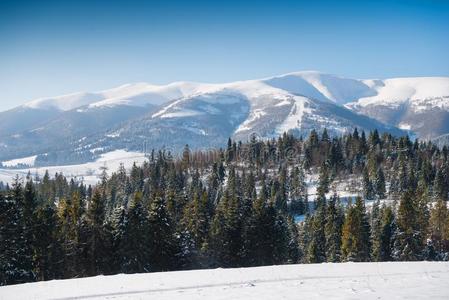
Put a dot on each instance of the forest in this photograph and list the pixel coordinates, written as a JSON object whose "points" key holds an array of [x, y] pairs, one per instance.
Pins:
{"points": [[232, 207]]}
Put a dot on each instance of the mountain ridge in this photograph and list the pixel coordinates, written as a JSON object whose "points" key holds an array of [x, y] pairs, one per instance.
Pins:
{"points": [[206, 114]]}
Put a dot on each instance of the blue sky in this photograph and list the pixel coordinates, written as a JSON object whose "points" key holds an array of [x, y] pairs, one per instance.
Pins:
{"points": [[50, 48]]}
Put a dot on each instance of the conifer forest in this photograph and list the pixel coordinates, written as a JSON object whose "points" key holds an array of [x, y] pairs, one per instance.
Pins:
{"points": [[245, 205]]}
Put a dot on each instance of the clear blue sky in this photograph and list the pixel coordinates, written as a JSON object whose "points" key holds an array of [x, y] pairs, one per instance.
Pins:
{"points": [[49, 48]]}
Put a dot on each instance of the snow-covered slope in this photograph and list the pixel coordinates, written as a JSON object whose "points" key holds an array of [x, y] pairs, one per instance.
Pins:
{"points": [[89, 173], [414, 89], [311, 84], [137, 94], [406, 280], [417, 104]]}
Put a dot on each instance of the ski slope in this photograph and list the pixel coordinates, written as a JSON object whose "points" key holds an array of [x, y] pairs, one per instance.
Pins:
{"points": [[394, 280]]}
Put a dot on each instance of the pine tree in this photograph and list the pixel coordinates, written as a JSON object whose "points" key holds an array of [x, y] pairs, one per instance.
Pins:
{"points": [[48, 251], [438, 224], [70, 222], [195, 219], [408, 246], [356, 233], [163, 243], [226, 232], [16, 264], [323, 181], [368, 190], [380, 184], [316, 252], [258, 234], [133, 249], [99, 239], [388, 227], [332, 229], [376, 231]]}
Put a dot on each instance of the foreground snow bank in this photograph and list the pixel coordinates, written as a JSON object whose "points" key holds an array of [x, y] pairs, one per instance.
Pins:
{"points": [[418, 280]]}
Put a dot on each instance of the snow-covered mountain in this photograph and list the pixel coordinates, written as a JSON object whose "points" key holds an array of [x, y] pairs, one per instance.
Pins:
{"points": [[420, 105], [66, 128]]}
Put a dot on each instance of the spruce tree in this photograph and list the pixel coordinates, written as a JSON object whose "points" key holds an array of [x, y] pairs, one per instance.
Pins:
{"points": [[388, 227], [408, 239], [99, 239], [16, 261], [48, 251], [380, 184], [332, 229], [438, 225], [368, 190], [163, 243], [226, 232], [133, 249], [316, 252], [356, 233]]}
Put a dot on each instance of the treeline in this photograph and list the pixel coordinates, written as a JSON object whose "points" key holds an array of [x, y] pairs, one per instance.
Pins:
{"points": [[232, 207]]}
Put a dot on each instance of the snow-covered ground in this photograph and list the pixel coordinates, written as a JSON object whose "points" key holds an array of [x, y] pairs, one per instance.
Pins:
{"points": [[407, 280], [26, 161], [89, 173]]}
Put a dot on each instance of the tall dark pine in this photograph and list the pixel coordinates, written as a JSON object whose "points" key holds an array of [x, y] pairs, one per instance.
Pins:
{"points": [[99, 240], [48, 251], [332, 229], [163, 243], [134, 245], [16, 261], [408, 239], [356, 233]]}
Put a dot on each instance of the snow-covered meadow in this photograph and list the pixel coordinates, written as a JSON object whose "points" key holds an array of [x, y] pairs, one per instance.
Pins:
{"points": [[89, 173], [387, 280]]}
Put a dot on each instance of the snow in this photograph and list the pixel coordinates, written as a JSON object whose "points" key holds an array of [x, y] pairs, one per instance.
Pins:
{"points": [[295, 116], [255, 115], [321, 86], [388, 280], [405, 126], [137, 94], [27, 161], [399, 90], [310, 84], [182, 113], [89, 173], [65, 102]]}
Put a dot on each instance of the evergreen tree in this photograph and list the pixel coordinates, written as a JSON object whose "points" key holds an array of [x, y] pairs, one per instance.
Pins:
{"points": [[368, 190], [438, 225], [332, 229], [48, 251], [408, 237], [323, 181], [163, 243], [380, 184], [316, 252], [356, 233], [134, 244], [226, 232], [16, 261], [99, 239]]}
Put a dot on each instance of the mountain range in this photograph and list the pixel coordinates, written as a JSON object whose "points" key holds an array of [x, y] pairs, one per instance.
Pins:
{"points": [[78, 127]]}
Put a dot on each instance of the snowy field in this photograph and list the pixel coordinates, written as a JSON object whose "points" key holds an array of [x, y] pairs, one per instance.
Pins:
{"points": [[89, 173], [410, 280]]}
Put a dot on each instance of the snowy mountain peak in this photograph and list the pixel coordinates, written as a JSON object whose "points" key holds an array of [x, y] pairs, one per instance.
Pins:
{"points": [[310, 84], [65, 102], [206, 114]]}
